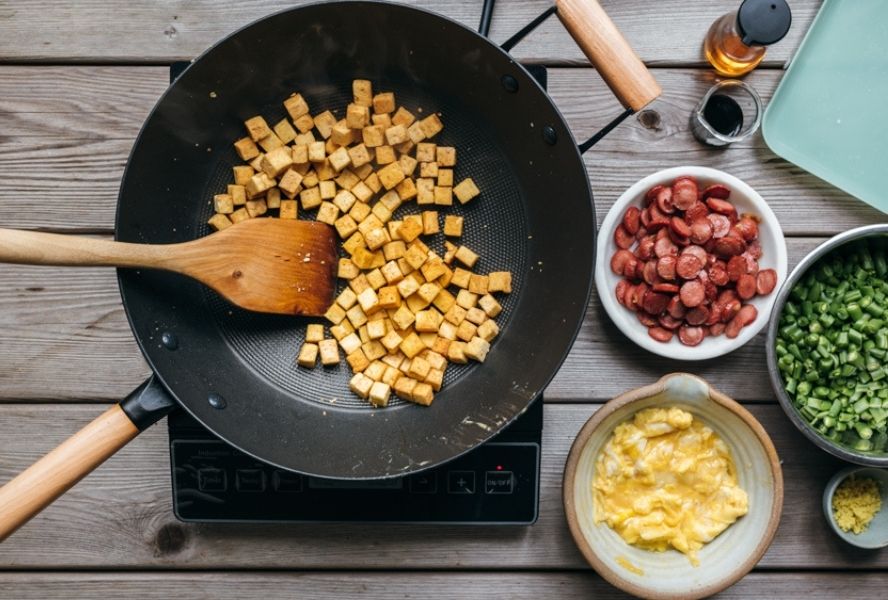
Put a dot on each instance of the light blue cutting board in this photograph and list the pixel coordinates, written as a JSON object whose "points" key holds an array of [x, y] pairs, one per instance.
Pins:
{"points": [[830, 113]]}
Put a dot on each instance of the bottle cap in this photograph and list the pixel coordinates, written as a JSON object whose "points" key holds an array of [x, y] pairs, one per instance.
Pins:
{"points": [[763, 22]]}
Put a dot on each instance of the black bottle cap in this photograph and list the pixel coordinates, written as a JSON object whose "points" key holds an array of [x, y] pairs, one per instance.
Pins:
{"points": [[763, 22]]}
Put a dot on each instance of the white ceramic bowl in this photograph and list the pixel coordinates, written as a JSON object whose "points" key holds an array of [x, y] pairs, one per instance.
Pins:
{"points": [[746, 200], [670, 574]]}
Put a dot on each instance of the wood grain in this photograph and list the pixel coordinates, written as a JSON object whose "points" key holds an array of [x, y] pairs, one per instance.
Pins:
{"points": [[71, 129], [64, 336], [667, 32], [385, 586], [120, 516]]}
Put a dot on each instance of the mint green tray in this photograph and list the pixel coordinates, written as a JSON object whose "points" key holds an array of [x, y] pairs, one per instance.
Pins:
{"points": [[828, 114]]}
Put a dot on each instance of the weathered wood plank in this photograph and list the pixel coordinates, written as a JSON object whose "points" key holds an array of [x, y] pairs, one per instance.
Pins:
{"points": [[64, 337], [666, 32], [68, 132], [120, 516], [387, 585]]}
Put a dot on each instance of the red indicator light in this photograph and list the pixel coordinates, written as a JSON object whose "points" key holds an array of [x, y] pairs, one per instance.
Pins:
{"points": [[499, 467]]}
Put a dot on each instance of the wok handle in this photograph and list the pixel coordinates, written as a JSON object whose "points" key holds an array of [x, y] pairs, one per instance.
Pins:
{"points": [[610, 53], [38, 248], [40, 484]]}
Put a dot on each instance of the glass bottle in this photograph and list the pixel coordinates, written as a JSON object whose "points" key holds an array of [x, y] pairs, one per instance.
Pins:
{"points": [[736, 42]]}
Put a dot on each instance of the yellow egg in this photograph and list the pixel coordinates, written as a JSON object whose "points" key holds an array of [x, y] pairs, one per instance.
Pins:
{"points": [[665, 479]]}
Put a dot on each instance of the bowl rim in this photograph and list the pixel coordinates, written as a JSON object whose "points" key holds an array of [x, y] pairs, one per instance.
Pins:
{"points": [[636, 333], [837, 241], [570, 471], [829, 491]]}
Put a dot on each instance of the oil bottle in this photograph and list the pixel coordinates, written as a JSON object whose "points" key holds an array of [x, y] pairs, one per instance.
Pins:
{"points": [[736, 42]]}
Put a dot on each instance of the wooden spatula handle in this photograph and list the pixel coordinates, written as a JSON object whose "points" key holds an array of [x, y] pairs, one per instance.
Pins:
{"points": [[37, 248], [51, 476]]}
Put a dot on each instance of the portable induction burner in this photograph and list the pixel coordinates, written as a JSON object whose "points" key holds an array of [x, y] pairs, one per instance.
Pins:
{"points": [[494, 484]]}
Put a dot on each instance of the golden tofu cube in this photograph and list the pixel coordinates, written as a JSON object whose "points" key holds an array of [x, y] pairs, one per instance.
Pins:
{"points": [[435, 378], [304, 124], [431, 125], [289, 209], [376, 279], [308, 355], [219, 222], [360, 385], [257, 128], [445, 178], [376, 370], [296, 106], [335, 314], [290, 183], [258, 185], [441, 345], [461, 278], [347, 179], [488, 330], [341, 134], [425, 191], [346, 268], [314, 333], [383, 120], [456, 353], [304, 139], [447, 330], [428, 321], [368, 300], [465, 190], [466, 256], [415, 133], [299, 154], [393, 359], [384, 103], [466, 299], [246, 149], [256, 163], [325, 170], [390, 201], [430, 222], [466, 330], [362, 192], [393, 227], [372, 181], [415, 255], [392, 272], [329, 352], [478, 284], [404, 388], [500, 281], [429, 291], [476, 315], [271, 142], [324, 123], [389, 297], [373, 136], [396, 134], [419, 368], [357, 360], [391, 376], [412, 345], [256, 208], [384, 215], [403, 318], [242, 173], [328, 190], [433, 269], [345, 226], [425, 152], [340, 159], [376, 329], [391, 341], [449, 254], [394, 250], [357, 116], [373, 349], [477, 349], [277, 161], [390, 175], [416, 304], [370, 223], [356, 315], [385, 155], [403, 117], [310, 198], [429, 170], [350, 343], [422, 394], [443, 196], [359, 156], [444, 300], [444, 279], [328, 213], [223, 203], [489, 305], [407, 287], [363, 258], [446, 156], [406, 190], [354, 243], [362, 90], [379, 394], [317, 152], [344, 200], [409, 231], [453, 225], [406, 147]]}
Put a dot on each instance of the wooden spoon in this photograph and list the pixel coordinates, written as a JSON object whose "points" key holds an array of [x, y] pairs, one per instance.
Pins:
{"points": [[279, 266]]}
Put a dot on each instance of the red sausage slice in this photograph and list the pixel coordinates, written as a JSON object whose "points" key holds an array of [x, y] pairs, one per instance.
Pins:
{"points": [[696, 251], [747, 314], [716, 329], [717, 190], [680, 227], [622, 238], [684, 193], [676, 309], [665, 247], [722, 207], [730, 310], [733, 327], [688, 266], [746, 286], [669, 322], [655, 303], [652, 194], [697, 211], [665, 288], [619, 261], [736, 267], [666, 267], [690, 336], [721, 225], [701, 231], [660, 334], [697, 315], [646, 319], [748, 228], [718, 275], [649, 272], [622, 286], [729, 246], [664, 201], [645, 248], [692, 293], [632, 220], [765, 282]]}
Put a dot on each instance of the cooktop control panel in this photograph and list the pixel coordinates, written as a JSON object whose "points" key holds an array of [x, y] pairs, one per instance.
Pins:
{"points": [[496, 483]]}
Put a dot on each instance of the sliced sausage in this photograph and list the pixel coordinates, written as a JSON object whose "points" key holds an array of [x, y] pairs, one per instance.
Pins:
{"points": [[733, 327], [665, 288], [622, 238], [736, 267], [721, 225], [747, 314], [701, 231], [717, 190], [649, 272], [655, 303], [631, 268], [729, 246], [765, 282], [716, 329], [660, 334], [730, 310], [680, 228], [697, 315], [747, 228], [665, 247], [651, 194], [690, 336], [746, 286], [755, 249], [669, 322], [688, 266], [666, 267], [697, 211], [721, 207], [692, 293], [641, 233], [638, 294], [715, 313], [678, 240], [718, 274], [676, 309], [664, 201], [646, 319], [645, 248], [684, 193], [622, 286], [697, 251], [619, 261], [752, 266], [632, 220]]}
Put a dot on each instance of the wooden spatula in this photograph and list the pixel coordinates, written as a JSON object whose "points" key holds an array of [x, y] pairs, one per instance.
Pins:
{"points": [[267, 265]]}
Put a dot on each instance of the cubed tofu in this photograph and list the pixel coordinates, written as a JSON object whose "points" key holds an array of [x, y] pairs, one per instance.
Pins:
{"points": [[419, 368], [290, 183], [466, 256], [488, 330], [329, 352], [308, 355], [390, 175], [299, 154], [445, 156], [441, 345], [404, 388], [443, 196], [317, 152], [314, 333], [465, 190], [403, 318], [429, 170], [412, 345], [354, 243], [477, 349], [256, 163], [435, 378], [379, 394], [500, 281], [357, 116], [345, 226], [335, 314], [392, 272], [360, 385], [356, 315], [223, 203], [381, 212], [431, 125], [384, 103], [324, 170], [476, 315], [391, 376], [433, 268], [466, 299], [376, 329], [466, 330], [444, 279], [453, 225], [426, 152], [447, 330], [445, 177], [340, 159], [430, 224], [415, 255], [376, 370], [350, 343], [403, 117], [346, 269], [428, 321], [415, 304], [444, 300], [489, 305], [370, 223], [219, 222], [289, 209], [409, 231], [327, 189], [359, 156], [362, 91], [406, 189], [246, 149], [277, 161], [284, 131], [304, 123], [461, 278], [422, 394], [383, 120], [408, 165], [270, 142], [368, 300], [373, 349], [449, 253], [304, 139], [257, 128], [373, 136], [363, 258], [296, 106], [341, 134], [242, 173], [310, 198], [376, 238], [391, 340], [324, 123], [456, 353], [425, 191], [407, 287], [375, 278], [429, 291], [389, 297], [385, 155], [258, 185], [478, 284], [256, 208]]}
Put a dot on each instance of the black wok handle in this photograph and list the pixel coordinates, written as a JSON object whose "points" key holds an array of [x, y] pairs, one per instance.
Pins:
{"points": [[40, 484], [609, 52]]}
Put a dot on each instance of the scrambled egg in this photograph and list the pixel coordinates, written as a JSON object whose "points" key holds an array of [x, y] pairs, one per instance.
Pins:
{"points": [[664, 479]]}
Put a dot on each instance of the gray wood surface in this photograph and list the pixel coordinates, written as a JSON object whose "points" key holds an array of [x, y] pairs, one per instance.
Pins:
{"points": [[120, 516], [663, 32], [321, 586]]}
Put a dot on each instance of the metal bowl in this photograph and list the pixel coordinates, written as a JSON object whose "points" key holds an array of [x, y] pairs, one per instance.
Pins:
{"points": [[869, 459]]}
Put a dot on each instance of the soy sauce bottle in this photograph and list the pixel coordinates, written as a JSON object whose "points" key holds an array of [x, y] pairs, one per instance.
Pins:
{"points": [[736, 42]]}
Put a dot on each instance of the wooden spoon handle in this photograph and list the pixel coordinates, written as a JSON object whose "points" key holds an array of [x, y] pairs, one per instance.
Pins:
{"points": [[36, 248], [51, 476]]}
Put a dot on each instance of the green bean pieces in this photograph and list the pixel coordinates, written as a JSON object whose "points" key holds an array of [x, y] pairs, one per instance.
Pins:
{"points": [[832, 344]]}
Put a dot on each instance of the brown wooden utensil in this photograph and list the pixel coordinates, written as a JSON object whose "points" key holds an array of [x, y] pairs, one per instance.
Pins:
{"points": [[266, 265]]}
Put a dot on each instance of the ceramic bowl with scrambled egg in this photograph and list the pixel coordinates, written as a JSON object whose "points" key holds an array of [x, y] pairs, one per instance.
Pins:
{"points": [[673, 490]]}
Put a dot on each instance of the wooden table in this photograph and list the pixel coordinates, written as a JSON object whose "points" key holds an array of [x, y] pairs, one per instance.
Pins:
{"points": [[75, 86]]}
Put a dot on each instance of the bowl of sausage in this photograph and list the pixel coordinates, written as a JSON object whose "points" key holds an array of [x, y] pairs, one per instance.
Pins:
{"points": [[688, 261]]}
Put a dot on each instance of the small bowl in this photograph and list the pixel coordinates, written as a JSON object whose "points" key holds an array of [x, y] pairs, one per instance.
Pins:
{"points": [[670, 574], [876, 535], [746, 200], [869, 459]]}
